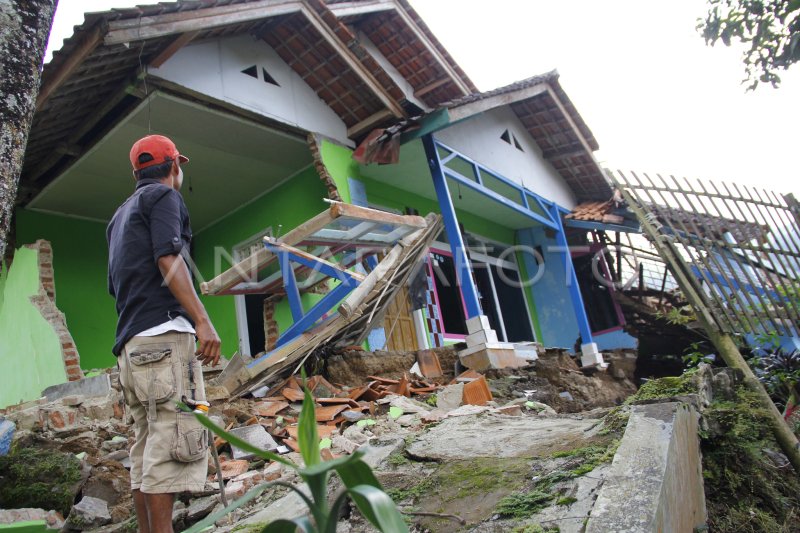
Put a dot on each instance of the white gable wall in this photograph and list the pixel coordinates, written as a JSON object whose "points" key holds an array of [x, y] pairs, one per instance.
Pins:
{"points": [[479, 139], [215, 68]]}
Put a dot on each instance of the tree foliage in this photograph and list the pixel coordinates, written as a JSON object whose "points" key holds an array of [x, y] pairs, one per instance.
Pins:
{"points": [[769, 29]]}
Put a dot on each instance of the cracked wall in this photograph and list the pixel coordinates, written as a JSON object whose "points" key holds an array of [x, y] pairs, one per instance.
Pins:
{"points": [[36, 349]]}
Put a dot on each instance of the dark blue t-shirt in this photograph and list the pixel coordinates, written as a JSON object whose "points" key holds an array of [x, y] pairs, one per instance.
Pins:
{"points": [[153, 222]]}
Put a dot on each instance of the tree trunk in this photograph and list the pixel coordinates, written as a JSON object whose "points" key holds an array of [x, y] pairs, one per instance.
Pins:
{"points": [[24, 28]]}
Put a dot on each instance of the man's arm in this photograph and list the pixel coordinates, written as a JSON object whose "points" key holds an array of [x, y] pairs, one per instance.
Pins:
{"points": [[176, 276]]}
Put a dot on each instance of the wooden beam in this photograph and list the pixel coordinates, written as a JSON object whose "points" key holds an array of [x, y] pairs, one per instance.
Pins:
{"points": [[341, 209], [86, 125], [570, 150], [438, 57], [479, 106], [431, 86], [168, 51], [350, 9], [430, 123], [310, 257], [250, 266], [54, 80], [136, 29], [353, 62], [368, 123], [574, 127]]}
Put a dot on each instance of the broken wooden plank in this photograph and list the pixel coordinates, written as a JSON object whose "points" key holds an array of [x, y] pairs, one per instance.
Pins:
{"points": [[248, 268]]}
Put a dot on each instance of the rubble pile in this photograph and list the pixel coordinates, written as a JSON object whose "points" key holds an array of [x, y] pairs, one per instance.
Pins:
{"points": [[358, 401]]}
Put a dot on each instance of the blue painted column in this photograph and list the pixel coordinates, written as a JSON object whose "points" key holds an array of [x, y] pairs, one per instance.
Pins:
{"points": [[463, 270], [574, 289]]}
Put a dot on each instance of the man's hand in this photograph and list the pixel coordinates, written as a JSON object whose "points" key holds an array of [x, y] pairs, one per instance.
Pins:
{"points": [[208, 343], [176, 277]]}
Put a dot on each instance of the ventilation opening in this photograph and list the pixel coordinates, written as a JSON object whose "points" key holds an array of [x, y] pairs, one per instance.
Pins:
{"points": [[268, 78], [511, 139], [251, 71]]}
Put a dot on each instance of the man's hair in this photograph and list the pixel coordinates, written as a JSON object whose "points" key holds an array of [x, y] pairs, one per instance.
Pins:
{"points": [[156, 172]]}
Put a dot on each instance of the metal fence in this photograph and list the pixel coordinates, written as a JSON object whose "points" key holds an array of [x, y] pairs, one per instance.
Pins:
{"points": [[738, 246]]}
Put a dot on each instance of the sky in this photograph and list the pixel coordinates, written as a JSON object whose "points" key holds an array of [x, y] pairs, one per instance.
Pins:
{"points": [[657, 99]]}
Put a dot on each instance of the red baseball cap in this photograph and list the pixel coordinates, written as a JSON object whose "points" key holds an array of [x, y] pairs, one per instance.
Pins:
{"points": [[159, 149]]}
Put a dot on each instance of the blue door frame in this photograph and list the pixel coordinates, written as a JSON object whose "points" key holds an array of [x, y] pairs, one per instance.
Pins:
{"points": [[545, 212]]}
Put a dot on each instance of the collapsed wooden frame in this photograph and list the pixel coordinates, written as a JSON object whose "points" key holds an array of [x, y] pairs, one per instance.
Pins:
{"points": [[341, 229]]}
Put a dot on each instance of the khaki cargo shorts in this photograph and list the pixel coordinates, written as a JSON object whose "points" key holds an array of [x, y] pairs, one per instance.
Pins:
{"points": [[171, 449]]}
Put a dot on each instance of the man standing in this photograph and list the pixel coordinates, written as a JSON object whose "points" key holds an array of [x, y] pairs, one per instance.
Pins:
{"points": [[159, 316]]}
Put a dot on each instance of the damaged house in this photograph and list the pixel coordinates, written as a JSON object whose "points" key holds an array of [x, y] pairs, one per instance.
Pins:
{"points": [[272, 99]]}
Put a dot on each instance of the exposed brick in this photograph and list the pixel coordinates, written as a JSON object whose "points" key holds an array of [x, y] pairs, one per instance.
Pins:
{"points": [[119, 410], [44, 301]]}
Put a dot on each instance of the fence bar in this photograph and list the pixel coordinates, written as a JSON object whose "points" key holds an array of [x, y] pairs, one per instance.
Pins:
{"points": [[758, 269], [789, 302], [734, 275], [722, 341], [733, 321]]}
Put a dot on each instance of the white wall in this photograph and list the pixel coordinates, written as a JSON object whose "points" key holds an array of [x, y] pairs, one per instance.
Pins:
{"points": [[479, 139], [215, 68]]}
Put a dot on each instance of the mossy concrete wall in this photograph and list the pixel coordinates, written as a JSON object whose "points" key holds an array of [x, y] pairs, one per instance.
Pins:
{"points": [[80, 267], [656, 478], [30, 350]]}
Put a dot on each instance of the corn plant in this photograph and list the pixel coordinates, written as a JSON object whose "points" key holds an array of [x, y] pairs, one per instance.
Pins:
{"points": [[360, 484]]}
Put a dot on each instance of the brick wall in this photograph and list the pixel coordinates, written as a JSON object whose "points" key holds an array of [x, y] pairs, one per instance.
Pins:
{"points": [[45, 302], [324, 175], [270, 324]]}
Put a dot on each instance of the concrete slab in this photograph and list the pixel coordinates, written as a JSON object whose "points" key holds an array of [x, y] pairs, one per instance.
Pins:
{"points": [[656, 479], [484, 357], [255, 435], [490, 435], [86, 387]]}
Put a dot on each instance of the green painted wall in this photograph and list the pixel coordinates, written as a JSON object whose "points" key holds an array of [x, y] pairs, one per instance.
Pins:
{"points": [[338, 159], [289, 205], [30, 352], [340, 164], [80, 266]]}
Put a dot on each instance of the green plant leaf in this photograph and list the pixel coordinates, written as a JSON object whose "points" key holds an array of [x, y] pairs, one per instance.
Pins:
{"points": [[378, 508], [395, 412], [340, 500], [307, 437], [357, 472], [327, 466], [242, 444], [289, 526], [211, 519]]}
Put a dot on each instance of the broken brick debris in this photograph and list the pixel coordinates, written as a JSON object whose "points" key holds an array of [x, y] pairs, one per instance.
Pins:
{"points": [[232, 468], [270, 409], [293, 395], [476, 392], [255, 435], [429, 364]]}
